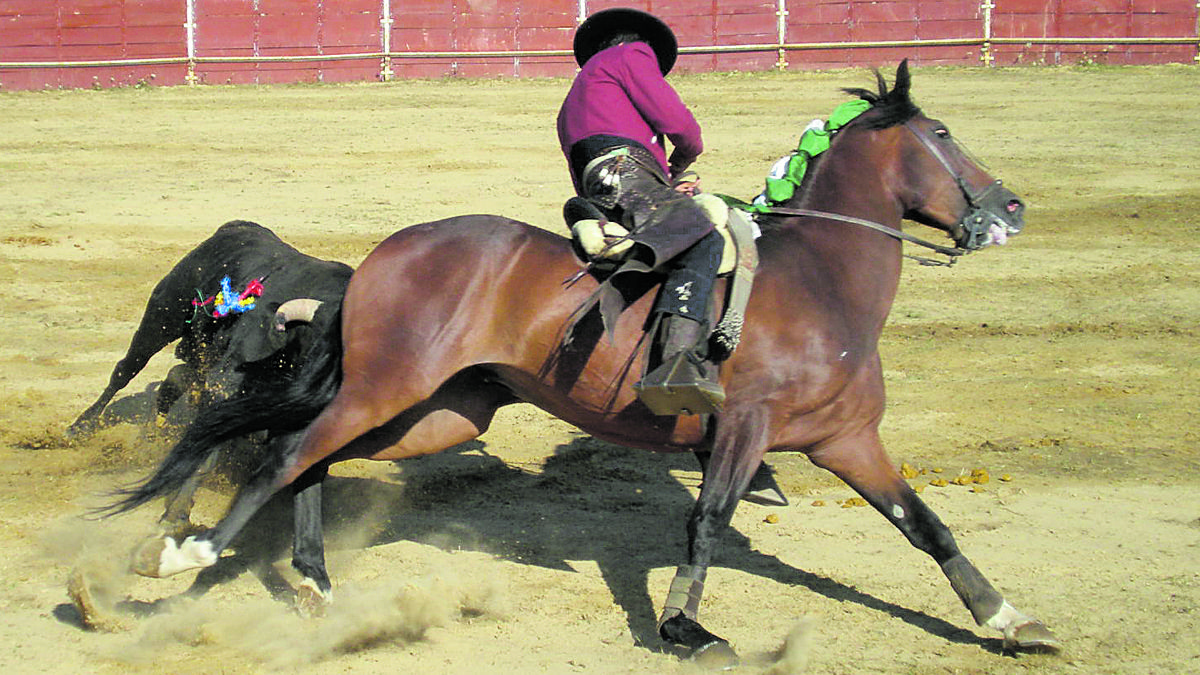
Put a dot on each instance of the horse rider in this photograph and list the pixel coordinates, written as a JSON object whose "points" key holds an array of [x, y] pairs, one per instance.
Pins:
{"points": [[612, 127]]}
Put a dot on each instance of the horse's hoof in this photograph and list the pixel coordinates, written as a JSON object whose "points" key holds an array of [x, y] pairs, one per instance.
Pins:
{"points": [[147, 559], [713, 653], [91, 614], [1031, 637], [716, 655], [311, 602], [162, 557]]}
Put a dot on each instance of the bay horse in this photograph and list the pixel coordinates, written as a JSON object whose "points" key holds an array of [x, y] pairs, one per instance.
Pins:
{"points": [[446, 322]]}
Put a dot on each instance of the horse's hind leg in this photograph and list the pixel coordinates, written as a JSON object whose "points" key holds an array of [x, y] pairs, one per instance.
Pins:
{"points": [[863, 465], [308, 545], [367, 416], [163, 557]]}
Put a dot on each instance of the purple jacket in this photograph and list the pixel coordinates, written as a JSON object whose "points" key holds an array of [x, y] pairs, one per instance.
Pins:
{"points": [[621, 92]]}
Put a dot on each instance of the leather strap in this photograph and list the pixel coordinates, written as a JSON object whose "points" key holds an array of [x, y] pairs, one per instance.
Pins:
{"points": [[952, 253], [728, 331]]}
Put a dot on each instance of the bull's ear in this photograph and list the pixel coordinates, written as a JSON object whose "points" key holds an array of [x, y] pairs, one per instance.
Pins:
{"points": [[257, 338]]}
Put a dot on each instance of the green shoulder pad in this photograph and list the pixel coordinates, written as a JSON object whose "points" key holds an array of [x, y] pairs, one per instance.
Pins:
{"points": [[845, 112], [782, 189]]}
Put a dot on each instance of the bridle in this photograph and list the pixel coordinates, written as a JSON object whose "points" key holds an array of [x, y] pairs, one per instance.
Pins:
{"points": [[978, 218], [975, 223]]}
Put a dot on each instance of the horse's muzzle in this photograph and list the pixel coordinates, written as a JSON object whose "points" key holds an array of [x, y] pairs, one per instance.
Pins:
{"points": [[995, 214]]}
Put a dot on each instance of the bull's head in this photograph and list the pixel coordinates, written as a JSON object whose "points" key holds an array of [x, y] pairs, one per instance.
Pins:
{"points": [[262, 335]]}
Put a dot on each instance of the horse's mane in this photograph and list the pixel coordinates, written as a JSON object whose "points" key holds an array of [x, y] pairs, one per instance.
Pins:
{"points": [[889, 107]]}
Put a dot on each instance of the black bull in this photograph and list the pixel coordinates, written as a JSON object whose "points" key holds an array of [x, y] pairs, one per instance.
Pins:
{"points": [[219, 353]]}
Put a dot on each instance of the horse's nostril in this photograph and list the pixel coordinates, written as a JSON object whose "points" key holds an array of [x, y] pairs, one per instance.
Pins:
{"points": [[1013, 205]]}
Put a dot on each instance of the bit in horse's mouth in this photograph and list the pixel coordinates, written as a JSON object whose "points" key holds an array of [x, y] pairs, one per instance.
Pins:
{"points": [[997, 234]]}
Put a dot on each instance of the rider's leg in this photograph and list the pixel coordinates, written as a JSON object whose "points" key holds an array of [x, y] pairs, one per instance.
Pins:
{"points": [[685, 380]]}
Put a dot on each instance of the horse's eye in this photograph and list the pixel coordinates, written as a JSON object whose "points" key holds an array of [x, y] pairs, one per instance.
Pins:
{"points": [[942, 132]]}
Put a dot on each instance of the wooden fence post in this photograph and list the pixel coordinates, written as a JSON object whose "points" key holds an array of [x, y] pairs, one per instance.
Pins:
{"points": [[781, 13], [985, 51], [190, 25], [385, 41]]}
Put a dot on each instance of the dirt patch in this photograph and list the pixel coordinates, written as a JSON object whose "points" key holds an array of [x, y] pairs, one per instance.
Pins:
{"points": [[1064, 366]]}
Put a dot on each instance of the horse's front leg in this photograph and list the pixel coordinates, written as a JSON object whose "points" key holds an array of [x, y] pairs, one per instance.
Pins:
{"points": [[862, 463], [737, 452]]}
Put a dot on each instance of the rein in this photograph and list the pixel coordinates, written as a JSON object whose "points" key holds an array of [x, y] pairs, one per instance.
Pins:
{"points": [[951, 253]]}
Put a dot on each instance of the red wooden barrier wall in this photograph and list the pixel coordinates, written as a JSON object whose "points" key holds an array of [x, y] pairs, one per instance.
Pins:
{"points": [[270, 29], [84, 30], [249, 41], [1100, 18]]}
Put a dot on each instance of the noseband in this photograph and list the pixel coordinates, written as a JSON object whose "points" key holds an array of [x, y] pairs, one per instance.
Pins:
{"points": [[975, 223]]}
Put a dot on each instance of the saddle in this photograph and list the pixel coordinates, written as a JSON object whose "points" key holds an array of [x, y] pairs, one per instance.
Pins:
{"points": [[603, 246]]}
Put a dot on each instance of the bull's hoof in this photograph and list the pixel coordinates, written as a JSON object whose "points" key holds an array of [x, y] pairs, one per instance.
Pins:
{"points": [[311, 601], [178, 528], [1031, 637], [91, 614], [697, 644]]}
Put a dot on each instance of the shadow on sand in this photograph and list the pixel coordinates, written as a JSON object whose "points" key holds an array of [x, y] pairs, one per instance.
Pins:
{"points": [[466, 498]]}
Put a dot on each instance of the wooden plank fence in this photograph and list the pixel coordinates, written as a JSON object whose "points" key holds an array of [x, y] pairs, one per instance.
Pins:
{"points": [[101, 43]]}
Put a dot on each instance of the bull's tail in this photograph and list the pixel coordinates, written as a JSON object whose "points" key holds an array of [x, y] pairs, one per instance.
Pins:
{"points": [[275, 404]]}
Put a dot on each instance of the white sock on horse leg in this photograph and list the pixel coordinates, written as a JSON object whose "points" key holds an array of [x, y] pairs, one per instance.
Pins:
{"points": [[1007, 616], [191, 554]]}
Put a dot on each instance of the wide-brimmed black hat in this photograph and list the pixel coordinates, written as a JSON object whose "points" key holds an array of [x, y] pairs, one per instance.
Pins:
{"points": [[601, 26]]}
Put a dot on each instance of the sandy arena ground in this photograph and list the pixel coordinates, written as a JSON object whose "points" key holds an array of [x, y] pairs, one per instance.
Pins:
{"points": [[1068, 361]]}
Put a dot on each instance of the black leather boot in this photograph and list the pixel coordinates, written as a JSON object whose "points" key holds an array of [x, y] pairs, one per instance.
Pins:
{"points": [[684, 383]]}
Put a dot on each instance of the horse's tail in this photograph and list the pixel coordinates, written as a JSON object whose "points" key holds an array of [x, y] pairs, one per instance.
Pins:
{"points": [[277, 404]]}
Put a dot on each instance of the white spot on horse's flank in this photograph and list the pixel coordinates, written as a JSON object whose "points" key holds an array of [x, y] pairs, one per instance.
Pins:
{"points": [[842, 355], [897, 511]]}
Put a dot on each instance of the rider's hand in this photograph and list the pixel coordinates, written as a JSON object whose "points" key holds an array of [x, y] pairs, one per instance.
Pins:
{"points": [[687, 182]]}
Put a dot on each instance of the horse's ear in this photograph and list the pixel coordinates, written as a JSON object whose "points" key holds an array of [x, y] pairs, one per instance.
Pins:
{"points": [[903, 80], [881, 83]]}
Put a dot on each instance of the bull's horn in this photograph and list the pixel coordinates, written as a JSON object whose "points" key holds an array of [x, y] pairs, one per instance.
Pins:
{"points": [[299, 309]]}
